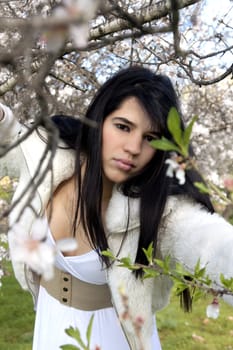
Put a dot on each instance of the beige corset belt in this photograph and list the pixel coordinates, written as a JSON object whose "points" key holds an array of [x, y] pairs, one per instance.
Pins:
{"points": [[71, 291]]}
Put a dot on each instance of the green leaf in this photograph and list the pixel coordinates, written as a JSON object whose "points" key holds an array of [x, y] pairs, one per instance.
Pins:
{"points": [[149, 253], [69, 347], [188, 131], [150, 273], [179, 287], [89, 330], [198, 294], [174, 125], [197, 268], [180, 271], [165, 145], [202, 187], [126, 262], [108, 253], [134, 267], [227, 282], [200, 274], [164, 264], [159, 262], [75, 334]]}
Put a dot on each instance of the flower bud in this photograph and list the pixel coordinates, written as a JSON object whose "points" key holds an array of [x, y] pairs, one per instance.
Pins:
{"points": [[228, 183], [212, 310]]}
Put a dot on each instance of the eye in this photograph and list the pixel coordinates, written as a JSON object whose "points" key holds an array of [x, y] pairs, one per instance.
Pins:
{"points": [[122, 127], [153, 137]]}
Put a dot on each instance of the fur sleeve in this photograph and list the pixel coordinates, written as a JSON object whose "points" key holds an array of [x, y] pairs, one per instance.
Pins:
{"points": [[192, 233]]}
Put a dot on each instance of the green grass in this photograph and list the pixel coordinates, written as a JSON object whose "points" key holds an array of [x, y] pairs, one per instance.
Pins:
{"points": [[16, 316], [194, 331], [176, 328]]}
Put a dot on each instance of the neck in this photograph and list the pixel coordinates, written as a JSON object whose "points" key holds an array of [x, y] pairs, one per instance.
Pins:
{"points": [[106, 195], [107, 189]]}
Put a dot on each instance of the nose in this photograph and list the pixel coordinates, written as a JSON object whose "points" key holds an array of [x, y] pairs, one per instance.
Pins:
{"points": [[133, 144]]}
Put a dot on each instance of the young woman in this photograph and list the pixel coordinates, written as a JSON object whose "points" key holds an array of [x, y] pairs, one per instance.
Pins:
{"points": [[110, 190]]}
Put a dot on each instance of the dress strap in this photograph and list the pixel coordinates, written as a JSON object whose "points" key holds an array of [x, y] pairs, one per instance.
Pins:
{"points": [[73, 292]]}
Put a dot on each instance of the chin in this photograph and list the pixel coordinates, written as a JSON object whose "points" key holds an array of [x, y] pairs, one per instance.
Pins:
{"points": [[117, 179]]}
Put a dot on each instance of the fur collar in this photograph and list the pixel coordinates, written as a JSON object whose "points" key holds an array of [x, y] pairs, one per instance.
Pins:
{"points": [[118, 211]]}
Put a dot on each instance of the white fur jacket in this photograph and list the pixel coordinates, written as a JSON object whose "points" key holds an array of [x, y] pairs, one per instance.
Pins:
{"points": [[189, 233]]}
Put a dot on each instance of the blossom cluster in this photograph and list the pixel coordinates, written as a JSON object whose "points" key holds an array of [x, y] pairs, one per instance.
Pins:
{"points": [[176, 168], [74, 16], [35, 250]]}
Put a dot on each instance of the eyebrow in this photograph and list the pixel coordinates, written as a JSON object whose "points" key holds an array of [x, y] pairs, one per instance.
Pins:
{"points": [[124, 120], [128, 122]]}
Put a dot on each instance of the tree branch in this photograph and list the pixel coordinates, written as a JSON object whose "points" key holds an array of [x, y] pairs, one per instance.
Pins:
{"points": [[201, 82], [148, 14]]}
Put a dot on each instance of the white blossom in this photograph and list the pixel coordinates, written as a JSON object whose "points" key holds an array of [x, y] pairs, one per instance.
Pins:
{"points": [[199, 129], [85, 8], [3, 238], [33, 250], [212, 310], [79, 34], [228, 183], [52, 40], [176, 169], [67, 244]]}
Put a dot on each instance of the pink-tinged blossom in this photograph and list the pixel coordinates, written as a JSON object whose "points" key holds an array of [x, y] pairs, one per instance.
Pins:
{"points": [[212, 310], [228, 183], [175, 169], [35, 251], [53, 39], [84, 8], [138, 323]]}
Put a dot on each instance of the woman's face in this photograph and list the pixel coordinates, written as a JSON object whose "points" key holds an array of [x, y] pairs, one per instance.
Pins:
{"points": [[126, 149]]}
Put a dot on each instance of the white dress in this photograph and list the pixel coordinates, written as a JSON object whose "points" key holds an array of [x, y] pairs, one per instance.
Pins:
{"points": [[52, 317]]}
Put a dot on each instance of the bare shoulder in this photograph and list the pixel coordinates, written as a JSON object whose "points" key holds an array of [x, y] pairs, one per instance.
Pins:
{"points": [[60, 209]]}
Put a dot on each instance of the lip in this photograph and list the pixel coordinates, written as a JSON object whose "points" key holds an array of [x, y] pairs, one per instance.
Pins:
{"points": [[124, 164]]}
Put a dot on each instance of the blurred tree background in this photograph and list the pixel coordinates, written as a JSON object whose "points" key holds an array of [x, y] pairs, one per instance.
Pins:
{"points": [[55, 54]]}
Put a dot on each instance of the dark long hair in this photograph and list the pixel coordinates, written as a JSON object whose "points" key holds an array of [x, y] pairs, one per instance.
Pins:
{"points": [[157, 95]]}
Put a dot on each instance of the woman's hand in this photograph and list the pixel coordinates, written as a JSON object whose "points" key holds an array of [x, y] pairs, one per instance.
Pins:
{"points": [[9, 126]]}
